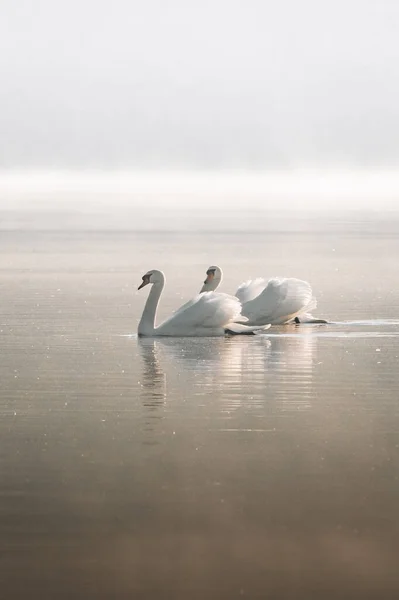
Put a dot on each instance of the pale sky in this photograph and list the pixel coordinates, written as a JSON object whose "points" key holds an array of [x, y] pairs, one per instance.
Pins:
{"points": [[207, 84]]}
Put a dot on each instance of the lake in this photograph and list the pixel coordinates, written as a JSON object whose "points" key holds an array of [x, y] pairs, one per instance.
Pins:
{"points": [[258, 467]]}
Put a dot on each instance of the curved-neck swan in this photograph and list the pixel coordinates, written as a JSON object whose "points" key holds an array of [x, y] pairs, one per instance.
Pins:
{"points": [[210, 314], [277, 301]]}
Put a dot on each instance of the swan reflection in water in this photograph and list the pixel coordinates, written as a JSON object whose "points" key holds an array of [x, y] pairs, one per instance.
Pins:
{"points": [[291, 365], [238, 371], [153, 378]]}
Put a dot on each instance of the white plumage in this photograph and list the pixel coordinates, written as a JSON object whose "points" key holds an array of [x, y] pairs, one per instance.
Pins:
{"points": [[276, 301], [209, 314]]}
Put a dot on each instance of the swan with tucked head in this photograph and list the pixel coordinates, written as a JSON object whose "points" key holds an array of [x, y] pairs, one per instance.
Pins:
{"points": [[276, 301], [208, 314]]}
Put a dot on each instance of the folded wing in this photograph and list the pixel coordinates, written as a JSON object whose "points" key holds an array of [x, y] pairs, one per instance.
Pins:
{"points": [[209, 310], [251, 289], [279, 302]]}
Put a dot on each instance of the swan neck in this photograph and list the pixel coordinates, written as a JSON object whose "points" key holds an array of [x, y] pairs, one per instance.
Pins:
{"points": [[147, 321]]}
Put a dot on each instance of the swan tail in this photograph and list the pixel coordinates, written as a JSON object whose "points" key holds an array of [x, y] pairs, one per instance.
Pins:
{"points": [[307, 317], [240, 329], [311, 306], [241, 319]]}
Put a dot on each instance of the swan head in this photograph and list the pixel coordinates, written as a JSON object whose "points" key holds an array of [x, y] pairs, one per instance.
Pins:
{"points": [[152, 276], [214, 276]]}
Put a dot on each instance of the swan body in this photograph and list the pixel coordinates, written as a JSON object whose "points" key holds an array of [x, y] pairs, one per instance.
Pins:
{"points": [[277, 301], [208, 314]]}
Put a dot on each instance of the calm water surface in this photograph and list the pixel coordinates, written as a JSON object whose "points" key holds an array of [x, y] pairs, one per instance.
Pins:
{"points": [[261, 467]]}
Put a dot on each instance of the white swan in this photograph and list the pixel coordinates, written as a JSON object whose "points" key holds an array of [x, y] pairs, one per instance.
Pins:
{"points": [[276, 301], [209, 314]]}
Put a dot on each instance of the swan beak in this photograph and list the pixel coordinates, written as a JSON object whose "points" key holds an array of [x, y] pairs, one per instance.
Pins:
{"points": [[146, 281], [210, 276]]}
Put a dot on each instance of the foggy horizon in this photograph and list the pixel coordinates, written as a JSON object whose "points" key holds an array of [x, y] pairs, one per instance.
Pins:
{"points": [[300, 189]]}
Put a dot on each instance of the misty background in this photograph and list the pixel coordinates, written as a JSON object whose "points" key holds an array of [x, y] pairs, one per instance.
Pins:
{"points": [[289, 104]]}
